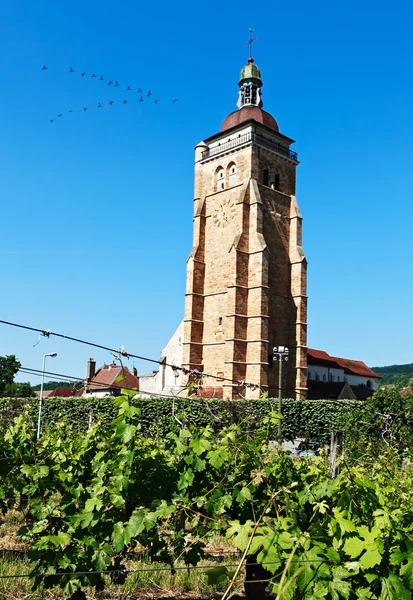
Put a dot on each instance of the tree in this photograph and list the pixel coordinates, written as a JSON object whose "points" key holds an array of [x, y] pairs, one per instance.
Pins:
{"points": [[9, 366], [21, 389]]}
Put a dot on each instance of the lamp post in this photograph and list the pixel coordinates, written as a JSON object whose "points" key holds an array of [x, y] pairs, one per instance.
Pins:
{"points": [[280, 353], [53, 354]]}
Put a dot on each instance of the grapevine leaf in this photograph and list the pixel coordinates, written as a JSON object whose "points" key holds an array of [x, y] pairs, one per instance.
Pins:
{"points": [[118, 536], [100, 560], [393, 589], [217, 457], [243, 495], [354, 546], [200, 445], [136, 523], [61, 539], [217, 575], [240, 534]]}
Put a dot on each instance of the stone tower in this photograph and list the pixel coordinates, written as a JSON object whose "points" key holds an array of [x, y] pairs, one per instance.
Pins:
{"points": [[246, 275]]}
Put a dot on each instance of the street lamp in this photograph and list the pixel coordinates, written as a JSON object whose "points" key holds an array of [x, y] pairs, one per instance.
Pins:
{"points": [[53, 354], [280, 353]]}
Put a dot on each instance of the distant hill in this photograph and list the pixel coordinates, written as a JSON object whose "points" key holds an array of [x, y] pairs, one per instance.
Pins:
{"points": [[395, 374]]}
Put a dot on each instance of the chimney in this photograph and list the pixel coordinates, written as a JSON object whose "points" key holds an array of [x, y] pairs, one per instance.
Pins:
{"points": [[91, 369]]}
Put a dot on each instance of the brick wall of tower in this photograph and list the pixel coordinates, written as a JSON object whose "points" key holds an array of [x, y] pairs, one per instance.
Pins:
{"points": [[246, 277]]}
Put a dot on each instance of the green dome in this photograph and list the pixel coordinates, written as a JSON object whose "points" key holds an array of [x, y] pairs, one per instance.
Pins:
{"points": [[250, 71]]}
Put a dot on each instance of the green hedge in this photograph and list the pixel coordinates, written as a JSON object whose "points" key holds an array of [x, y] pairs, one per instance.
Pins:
{"points": [[314, 419]]}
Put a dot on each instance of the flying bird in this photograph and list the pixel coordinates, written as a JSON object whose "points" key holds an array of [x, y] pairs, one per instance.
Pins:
{"points": [[71, 70], [44, 68], [139, 91], [111, 102], [175, 101], [141, 99], [101, 78], [116, 83], [125, 102], [149, 93], [70, 111], [100, 105], [83, 74], [94, 75], [60, 115], [51, 120], [156, 101], [128, 89], [110, 82], [85, 109]]}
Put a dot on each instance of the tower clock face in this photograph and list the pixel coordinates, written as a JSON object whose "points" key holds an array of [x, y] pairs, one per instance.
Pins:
{"points": [[223, 213]]}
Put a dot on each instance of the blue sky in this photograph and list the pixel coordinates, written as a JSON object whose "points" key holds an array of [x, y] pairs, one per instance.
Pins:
{"points": [[96, 208]]}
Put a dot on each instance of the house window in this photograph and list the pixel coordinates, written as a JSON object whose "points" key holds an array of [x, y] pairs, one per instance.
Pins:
{"points": [[309, 375], [317, 377], [324, 378], [266, 176], [220, 321], [368, 384], [338, 377]]}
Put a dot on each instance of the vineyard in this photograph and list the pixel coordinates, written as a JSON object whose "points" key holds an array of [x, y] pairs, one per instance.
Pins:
{"points": [[113, 507]]}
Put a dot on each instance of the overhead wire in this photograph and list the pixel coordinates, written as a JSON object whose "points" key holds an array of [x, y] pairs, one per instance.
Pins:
{"points": [[158, 569], [191, 372]]}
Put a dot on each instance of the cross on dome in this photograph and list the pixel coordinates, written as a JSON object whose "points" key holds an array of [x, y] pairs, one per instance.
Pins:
{"points": [[250, 43], [250, 83]]}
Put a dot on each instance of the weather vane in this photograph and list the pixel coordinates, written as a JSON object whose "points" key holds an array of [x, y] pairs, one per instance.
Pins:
{"points": [[251, 41]]}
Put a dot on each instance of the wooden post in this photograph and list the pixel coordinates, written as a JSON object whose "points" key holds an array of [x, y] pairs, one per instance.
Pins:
{"points": [[336, 450]]}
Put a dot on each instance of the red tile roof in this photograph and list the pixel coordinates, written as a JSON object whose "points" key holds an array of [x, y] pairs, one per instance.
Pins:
{"points": [[106, 378], [62, 392], [354, 367]]}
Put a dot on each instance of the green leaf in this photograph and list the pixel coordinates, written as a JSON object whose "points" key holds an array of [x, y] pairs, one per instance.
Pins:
{"points": [[217, 575], [93, 503], [100, 560], [200, 445], [218, 457], [118, 536], [136, 523], [240, 534], [61, 539], [393, 589], [243, 495], [71, 587]]}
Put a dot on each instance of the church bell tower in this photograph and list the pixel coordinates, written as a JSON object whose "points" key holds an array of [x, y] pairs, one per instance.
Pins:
{"points": [[247, 273]]}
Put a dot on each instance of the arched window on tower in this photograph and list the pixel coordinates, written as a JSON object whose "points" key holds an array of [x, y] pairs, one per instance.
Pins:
{"points": [[219, 179], [275, 183], [266, 176], [232, 173]]}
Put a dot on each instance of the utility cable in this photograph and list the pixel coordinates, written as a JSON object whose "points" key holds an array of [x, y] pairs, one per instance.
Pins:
{"points": [[193, 372], [157, 569]]}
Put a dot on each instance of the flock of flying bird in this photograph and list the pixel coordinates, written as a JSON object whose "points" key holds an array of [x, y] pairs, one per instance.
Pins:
{"points": [[114, 84]]}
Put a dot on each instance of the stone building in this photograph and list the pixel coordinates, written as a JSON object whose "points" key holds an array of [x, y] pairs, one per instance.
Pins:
{"points": [[246, 274]]}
